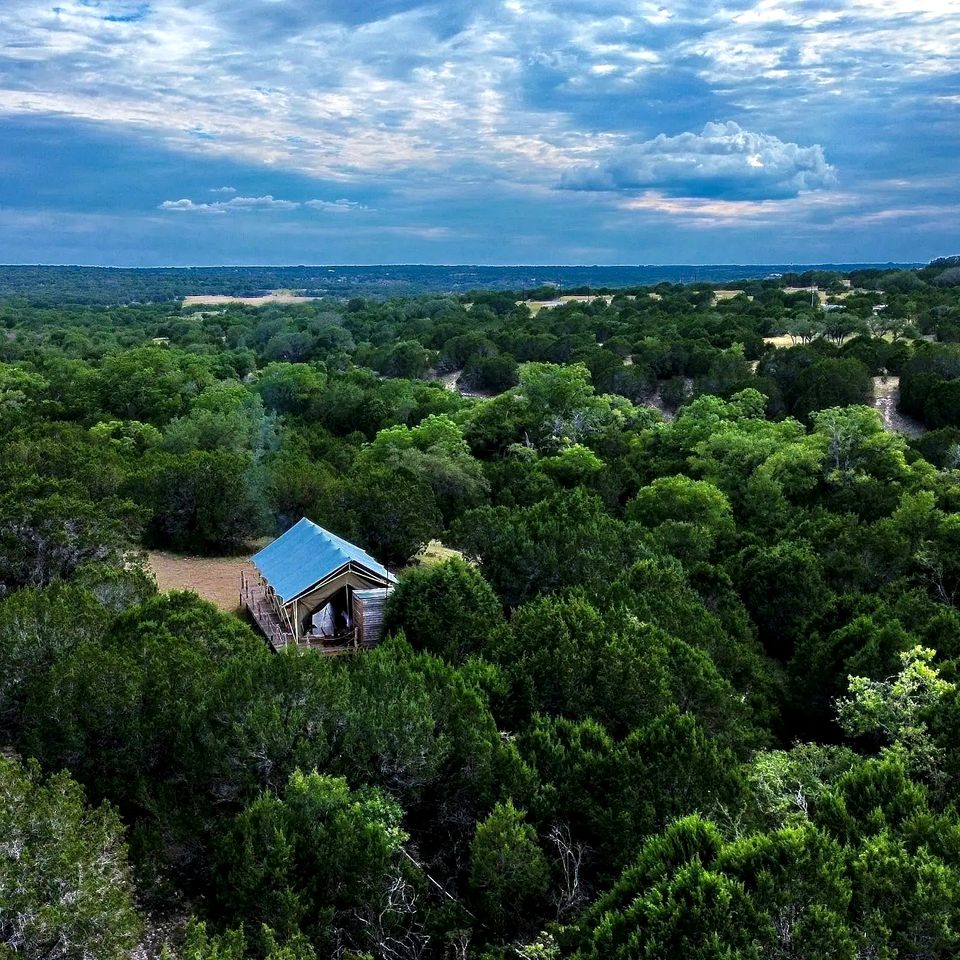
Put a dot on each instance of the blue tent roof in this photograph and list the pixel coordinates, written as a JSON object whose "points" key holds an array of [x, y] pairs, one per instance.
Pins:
{"points": [[307, 553]]}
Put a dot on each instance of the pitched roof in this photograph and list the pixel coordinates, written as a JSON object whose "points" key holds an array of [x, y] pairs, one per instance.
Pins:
{"points": [[305, 555]]}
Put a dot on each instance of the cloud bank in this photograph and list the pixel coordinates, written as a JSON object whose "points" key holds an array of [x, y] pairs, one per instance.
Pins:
{"points": [[461, 119], [723, 160]]}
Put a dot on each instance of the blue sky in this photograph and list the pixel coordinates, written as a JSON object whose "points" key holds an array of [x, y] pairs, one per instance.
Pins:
{"points": [[149, 132]]}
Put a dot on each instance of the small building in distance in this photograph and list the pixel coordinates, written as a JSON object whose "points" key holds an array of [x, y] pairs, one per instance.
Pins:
{"points": [[315, 590]]}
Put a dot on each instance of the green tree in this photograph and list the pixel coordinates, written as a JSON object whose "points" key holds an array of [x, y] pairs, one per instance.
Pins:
{"points": [[508, 870], [306, 861], [424, 731], [20, 391], [66, 890], [49, 531], [408, 358], [896, 709], [392, 515], [782, 586], [495, 374], [234, 944], [829, 383], [137, 715], [130, 436], [703, 608], [204, 502], [37, 628], [226, 416], [609, 795], [572, 466], [290, 387], [672, 903], [863, 462], [787, 784], [565, 541], [687, 518], [435, 453], [447, 609], [151, 384], [563, 657]]}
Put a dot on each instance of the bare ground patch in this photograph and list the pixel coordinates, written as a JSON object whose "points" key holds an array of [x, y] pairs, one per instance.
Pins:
{"points": [[216, 579], [728, 295], [451, 382], [265, 300], [783, 340]]}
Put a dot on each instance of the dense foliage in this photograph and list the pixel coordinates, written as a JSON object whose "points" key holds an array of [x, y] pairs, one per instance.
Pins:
{"points": [[688, 689]]}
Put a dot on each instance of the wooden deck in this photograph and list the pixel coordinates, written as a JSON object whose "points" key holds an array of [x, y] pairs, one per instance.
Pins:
{"points": [[254, 599]]}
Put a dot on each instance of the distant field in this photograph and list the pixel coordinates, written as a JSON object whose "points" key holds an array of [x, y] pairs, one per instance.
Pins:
{"points": [[278, 296], [728, 295], [216, 579], [537, 305], [51, 286]]}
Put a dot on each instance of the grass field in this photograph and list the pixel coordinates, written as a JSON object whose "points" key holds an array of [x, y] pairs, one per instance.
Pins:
{"points": [[216, 579], [536, 306]]}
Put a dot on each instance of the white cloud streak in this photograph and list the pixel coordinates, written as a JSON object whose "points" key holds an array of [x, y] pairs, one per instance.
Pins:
{"points": [[226, 206], [335, 206]]}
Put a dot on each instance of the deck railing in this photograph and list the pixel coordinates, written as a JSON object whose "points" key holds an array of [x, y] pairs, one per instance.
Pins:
{"points": [[254, 598]]}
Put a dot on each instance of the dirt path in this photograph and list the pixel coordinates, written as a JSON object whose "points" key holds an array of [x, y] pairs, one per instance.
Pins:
{"points": [[886, 395], [451, 382]]}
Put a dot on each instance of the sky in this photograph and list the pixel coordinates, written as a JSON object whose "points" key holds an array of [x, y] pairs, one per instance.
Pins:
{"points": [[187, 132]]}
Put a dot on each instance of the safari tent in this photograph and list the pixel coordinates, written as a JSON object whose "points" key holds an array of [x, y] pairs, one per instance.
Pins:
{"points": [[315, 589]]}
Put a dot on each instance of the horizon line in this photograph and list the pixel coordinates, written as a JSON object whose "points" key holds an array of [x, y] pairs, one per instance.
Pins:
{"points": [[488, 266]]}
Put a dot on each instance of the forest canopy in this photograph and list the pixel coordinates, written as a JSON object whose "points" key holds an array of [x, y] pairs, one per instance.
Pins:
{"points": [[683, 682]]}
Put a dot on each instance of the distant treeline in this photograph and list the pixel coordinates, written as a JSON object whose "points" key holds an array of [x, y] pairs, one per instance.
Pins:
{"points": [[62, 285]]}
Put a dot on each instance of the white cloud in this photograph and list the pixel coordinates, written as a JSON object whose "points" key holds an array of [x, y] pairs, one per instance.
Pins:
{"points": [[714, 212], [334, 99], [224, 190], [335, 206], [224, 206], [189, 205], [422, 233], [722, 160], [267, 203]]}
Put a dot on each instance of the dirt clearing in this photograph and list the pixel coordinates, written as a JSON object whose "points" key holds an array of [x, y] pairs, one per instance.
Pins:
{"points": [[216, 579], [277, 296], [783, 340]]}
